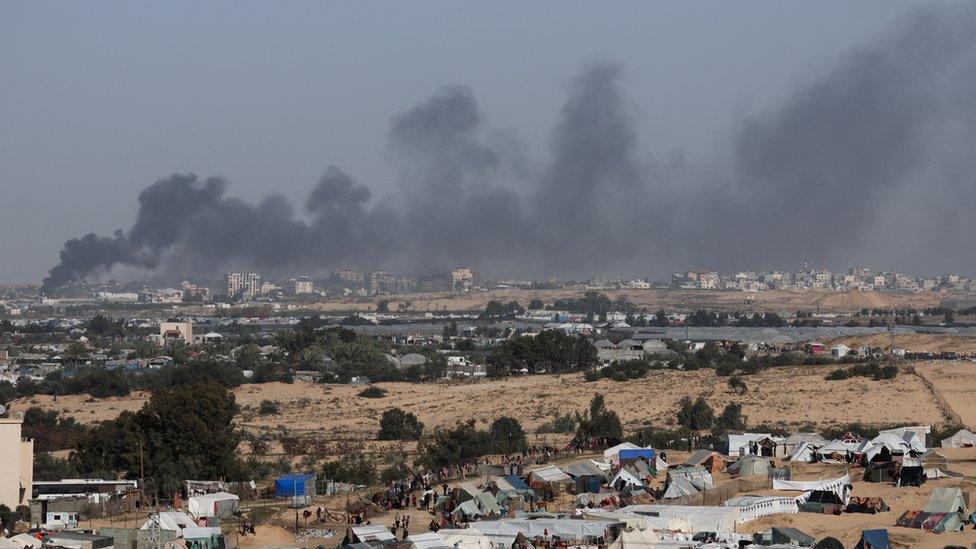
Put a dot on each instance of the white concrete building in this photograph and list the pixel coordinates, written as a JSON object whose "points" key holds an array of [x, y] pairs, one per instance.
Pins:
{"points": [[17, 457]]}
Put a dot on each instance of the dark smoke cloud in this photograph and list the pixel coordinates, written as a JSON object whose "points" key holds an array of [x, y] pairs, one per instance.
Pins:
{"points": [[870, 161]]}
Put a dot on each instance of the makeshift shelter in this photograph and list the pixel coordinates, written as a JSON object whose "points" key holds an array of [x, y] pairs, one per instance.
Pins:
{"points": [[911, 476], [865, 504], [754, 507], [750, 466], [511, 483], [570, 530], [840, 485], [625, 478], [813, 440], [26, 540], [299, 487], [427, 540], [932, 522], [712, 461], [370, 533], [829, 543], [468, 538], [549, 478], [585, 468], [835, 450], [962, 439], [612, 455], [881, 472], [803, 452], [823, 502], [635, 538], [628, 455], [685, 481], [779, 535], [947, 500], [688, 518], [873, 539], [220, 504]]}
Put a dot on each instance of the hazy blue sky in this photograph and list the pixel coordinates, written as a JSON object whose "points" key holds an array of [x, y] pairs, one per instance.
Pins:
{"points": [[99, 99]]}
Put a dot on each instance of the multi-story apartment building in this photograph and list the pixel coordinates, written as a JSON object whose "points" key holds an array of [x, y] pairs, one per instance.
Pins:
{"points": [[243, 285]]}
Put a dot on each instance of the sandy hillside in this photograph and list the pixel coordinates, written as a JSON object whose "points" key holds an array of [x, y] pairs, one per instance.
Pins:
{"points": [[671, 300], [788, 396], [915, 343], [955, 384]]}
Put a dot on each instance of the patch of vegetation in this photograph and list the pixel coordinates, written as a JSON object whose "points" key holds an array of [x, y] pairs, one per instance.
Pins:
{"points": [[598, 423], [560, 423], [372, 392], [624, 370], [399, 425], [872, 370], [269, 407], [695, 414]]}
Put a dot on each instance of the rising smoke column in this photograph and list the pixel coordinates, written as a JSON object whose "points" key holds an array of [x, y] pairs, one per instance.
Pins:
{"points": [[828, 174]]}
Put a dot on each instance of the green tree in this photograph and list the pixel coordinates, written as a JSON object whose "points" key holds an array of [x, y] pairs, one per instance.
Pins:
{"points": [[506, 433], [695, 414], [598, 423], [536, 304], [731, 419], [395, 424]]}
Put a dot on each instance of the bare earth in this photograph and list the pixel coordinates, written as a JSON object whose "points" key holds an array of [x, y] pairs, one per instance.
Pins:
{"points": [[788, 396], [955, 383], [671, 300]]}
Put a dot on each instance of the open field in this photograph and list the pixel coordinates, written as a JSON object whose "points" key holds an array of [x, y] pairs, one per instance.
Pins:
{"points": [[791, 397], [955, 384], [785, 301]]}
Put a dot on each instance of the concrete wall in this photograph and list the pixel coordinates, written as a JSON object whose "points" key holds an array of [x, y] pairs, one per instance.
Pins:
{"points": [[12, 453]]}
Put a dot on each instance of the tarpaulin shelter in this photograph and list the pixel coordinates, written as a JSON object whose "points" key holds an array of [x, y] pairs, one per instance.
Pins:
{"points": [[829, 543], [586, 531], [468, 538], [780, 535], [840, 486], [295, 485], [427, 540], [511, 483], [865, 504], [911, 476], [881, 472], [220, 504], [822, 501], [612, 455], [962, 439], [371, 532], [548, 477], [585, 468], [712, 461], [632, 454], [754, 507], [931, 522], [750, 466], [873, 539], [625, 478]]}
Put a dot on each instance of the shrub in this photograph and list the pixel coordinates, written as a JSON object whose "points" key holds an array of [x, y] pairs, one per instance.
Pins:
{"points": [[372, 392], [399, 425], [731, 419], [352, 467], [506, 433], [872, 370], [269, 407], [560, 424], [737, 385], [598, 422]]}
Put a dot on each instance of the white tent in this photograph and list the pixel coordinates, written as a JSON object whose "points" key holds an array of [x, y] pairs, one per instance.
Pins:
{"points": [[372, 532], [947, 500], [427, 540], [26, 540], [962, 439], [802, 453], [688, 518], [612, 454], [625, 478], [220, 504], [468, 538], [8, 544], [634, 538]]}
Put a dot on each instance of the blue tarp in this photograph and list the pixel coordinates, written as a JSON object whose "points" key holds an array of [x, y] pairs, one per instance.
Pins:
{"points": [[516, 482], [647, 453], [874, 539], [294, 485]]}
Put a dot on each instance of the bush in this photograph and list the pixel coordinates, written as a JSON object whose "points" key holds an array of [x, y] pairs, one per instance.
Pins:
{"points": [[731, 419], [372, 392], [352, 467], [872, 370], [460, 444], [269, 407], [624, 370], [737, 385], [399, 425], [559, 424]]}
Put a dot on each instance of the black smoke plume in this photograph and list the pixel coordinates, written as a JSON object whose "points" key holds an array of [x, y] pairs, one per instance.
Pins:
{"points": [[870, 161]]}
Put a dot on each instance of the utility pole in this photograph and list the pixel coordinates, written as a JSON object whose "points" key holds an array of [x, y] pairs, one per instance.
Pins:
{"points": [[142, 475]]}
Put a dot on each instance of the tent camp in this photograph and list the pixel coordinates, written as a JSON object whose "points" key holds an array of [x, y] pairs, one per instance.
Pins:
{"points": [[220, 504], [427, 540], [803, 452], [947, 500], [586, 467], [686, 481], [550, 476], [962, 439], [835, 450], [625, 478], [504, 531]]}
